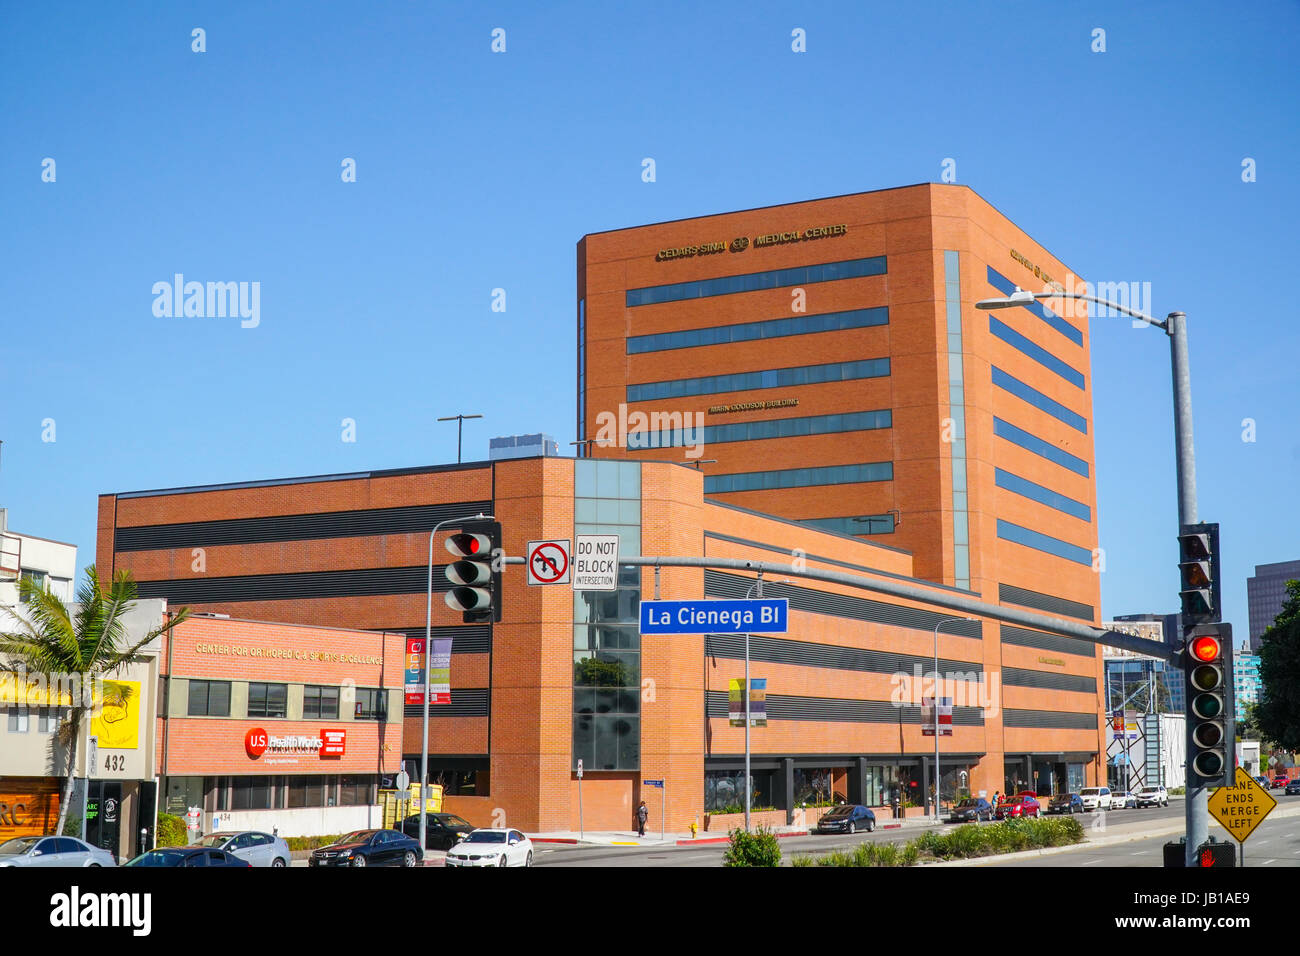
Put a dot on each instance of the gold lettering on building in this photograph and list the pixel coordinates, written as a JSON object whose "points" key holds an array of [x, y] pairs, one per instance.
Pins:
{"points": [[753, 406]]}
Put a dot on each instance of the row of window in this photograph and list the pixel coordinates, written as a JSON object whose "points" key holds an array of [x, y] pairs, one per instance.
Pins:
{"points": [[1006, 287], [1043, 542], [768, 378], [856, 525], [20, 720], [1046, 496], [1043, 449], [772, 279], [1040, 401], [1035, 351], [765, 329], [756, 431], [799, 477], [211, 698]]}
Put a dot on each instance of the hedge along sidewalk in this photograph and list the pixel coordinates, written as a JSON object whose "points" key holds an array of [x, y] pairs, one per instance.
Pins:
{"points": [[1109, 840]]}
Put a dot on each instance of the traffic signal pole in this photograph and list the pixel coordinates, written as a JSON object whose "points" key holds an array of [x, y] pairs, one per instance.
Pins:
{"points": [[1196, 806]]}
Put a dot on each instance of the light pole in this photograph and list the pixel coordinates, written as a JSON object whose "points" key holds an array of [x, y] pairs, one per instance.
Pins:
{"points": [[428, 649], [1175, 326], [757, 586], [938, 779], [460, 424]]}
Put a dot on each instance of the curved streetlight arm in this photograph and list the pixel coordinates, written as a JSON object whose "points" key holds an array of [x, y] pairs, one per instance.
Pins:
{"points": [[1024, 297]]}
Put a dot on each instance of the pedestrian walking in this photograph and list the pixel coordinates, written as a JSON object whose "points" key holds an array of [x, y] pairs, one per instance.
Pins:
{"points": [[642, 812]]}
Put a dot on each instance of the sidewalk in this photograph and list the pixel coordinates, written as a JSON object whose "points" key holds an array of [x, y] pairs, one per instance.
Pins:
{"points": [[703, 838]]}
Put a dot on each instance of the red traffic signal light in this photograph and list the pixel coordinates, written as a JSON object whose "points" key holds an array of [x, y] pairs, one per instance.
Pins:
{"points": [[476, 582], [1206, 648], [466, 545]]}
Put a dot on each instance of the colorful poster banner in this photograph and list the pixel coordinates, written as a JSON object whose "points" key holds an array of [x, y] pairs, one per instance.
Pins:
{"points": [[928, 717], [116, 718], [757, 702], [413, 681], [440, 672]]}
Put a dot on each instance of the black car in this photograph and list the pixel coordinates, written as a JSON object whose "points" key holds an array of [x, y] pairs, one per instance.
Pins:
{"points": [[187, 856], [1293, 787], [847, 818], [442, 831], [369, 848], [973, 809], [1065, 803]]}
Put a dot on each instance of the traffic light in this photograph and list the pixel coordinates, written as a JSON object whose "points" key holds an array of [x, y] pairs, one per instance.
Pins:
{"points": [[1198, 567], [1207, 662], [476, 575]]}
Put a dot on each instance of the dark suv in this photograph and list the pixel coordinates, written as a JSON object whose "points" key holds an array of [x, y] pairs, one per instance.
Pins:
{"points": [[971, 810], [1065, 803], [442, 831], [847, 818]]}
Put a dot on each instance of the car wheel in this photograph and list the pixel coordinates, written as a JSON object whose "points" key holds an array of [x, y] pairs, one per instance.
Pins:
{"points": [[529, 860], [409, 859], [852, 828], [358, 860], [871, 826], [94, 866], [278, 863], [503, 861]]}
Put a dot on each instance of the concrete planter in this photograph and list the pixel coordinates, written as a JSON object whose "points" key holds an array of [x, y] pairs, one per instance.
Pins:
{"points": [[721, 823]]}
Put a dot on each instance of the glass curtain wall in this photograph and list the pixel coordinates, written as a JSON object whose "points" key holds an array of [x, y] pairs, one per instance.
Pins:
{"points": [[606, 624]]}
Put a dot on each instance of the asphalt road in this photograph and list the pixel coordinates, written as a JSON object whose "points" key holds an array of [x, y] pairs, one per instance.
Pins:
{"points": [[711, 854]]}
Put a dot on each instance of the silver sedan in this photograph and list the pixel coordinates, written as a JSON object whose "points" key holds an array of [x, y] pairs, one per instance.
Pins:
{"points": [[52, 851], [252, 846]]}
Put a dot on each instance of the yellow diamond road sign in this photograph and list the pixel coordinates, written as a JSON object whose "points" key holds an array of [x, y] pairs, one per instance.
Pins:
{"points": [[1241, 807]]}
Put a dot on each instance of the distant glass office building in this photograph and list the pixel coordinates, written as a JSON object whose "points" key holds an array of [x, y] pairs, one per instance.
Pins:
{"points": [[1245, 680], [1265, 593]]}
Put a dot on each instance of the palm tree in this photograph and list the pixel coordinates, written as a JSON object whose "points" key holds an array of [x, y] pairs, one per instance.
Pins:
{"points": [[83, 642]]}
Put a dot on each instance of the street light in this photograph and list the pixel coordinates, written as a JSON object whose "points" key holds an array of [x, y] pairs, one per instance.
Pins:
{"points": [[749, 594], [460, 424], [428, 636], [700, 461], [938, 778], [1175, 326]]}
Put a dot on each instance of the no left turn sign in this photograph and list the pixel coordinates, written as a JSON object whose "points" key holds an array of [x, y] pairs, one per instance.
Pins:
{"points": [[548, 562]]}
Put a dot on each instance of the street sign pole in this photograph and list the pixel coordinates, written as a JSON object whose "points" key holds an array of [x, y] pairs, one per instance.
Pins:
{"points": [[580, 832]]}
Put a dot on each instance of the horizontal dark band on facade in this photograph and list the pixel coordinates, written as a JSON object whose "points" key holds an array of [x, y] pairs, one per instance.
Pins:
{"points": [[1049, 720], [465, 702], [465, 638], [1024, 637], [1048, 680], [719, 584], [305, 480], [1010, 594], [307, 584], [777, 650], [782, 707], [297, 527]]}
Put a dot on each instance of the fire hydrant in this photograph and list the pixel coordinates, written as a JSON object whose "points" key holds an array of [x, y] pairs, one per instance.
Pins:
{"points": [[695, 825]]}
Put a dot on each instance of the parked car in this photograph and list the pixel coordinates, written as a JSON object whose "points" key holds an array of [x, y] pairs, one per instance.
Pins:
{"points": [[52, 851], [1095, 798], [258, 849], [1065, 803], [369, 848], [442, 831], [492, 846], [1152, 797], [194, 855], [1021, 805], [1123, 800], [1263, 781], [971, 809], [1293, 787], [1279, 781], [847, 818]]}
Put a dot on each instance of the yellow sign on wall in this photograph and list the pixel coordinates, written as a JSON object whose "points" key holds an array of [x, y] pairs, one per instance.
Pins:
{"points": [[116, 718]]}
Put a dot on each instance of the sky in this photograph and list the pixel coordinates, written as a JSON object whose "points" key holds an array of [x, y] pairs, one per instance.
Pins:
{"points": [[1168, 158]]}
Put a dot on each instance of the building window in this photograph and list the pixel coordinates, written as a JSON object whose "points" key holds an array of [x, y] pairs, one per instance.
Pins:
{"points": [[773, 279], [48, 720], [272, 700], [724, 791], [209, 698], [857, 525], [683, 433], [372, 704], [1044, 449], [305, 792], [1033, 396], [250, 793], [1036, 352], [767, 378], [355, 791], [1043, 542], [40, 581], [1006, 287], [1046, 496], [320, 703], [749, 331], [18, 722], [799, 477]]}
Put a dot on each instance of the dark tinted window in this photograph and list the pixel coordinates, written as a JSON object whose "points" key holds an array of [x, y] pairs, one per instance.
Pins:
{"points": [[320, 702], [371, 704], [268, 700], [209, 698], [306, 792], [250, 793], [68, 846]]}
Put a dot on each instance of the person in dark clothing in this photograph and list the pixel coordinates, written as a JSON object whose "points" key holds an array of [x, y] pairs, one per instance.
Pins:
{"points": [[642, 812]]}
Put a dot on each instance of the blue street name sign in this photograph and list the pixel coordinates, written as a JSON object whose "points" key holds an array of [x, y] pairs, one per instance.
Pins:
{"points": [[763, 615], [652, 783]]}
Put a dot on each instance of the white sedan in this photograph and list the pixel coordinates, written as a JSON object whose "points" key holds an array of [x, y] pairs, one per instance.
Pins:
{"points": [[52, 851], [492, 846], [251, 846]]}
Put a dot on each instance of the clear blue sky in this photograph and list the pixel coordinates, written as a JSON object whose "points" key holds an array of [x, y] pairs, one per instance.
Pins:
{"points": [[478, 171]]}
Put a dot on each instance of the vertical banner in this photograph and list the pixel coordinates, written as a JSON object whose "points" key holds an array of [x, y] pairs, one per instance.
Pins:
{"points": [[440, 672], [757, 702], [413, 682], [944, 717]]}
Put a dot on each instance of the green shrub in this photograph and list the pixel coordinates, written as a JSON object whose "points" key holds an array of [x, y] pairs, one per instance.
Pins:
{"points": [[753, 849], [737, 808], [312, 842], [170, 831], [909, 856], [802, 859]]}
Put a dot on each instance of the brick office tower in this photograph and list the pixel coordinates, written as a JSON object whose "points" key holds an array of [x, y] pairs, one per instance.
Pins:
{"points": [[833, 353]]}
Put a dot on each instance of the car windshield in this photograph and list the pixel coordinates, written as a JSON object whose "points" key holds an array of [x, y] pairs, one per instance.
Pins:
{"points": [[18, 845], [359, 836], [217, 840], [159, 858], [967, 803], [451, 820], [486, 836], [838, 812], [1091, 792]]}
